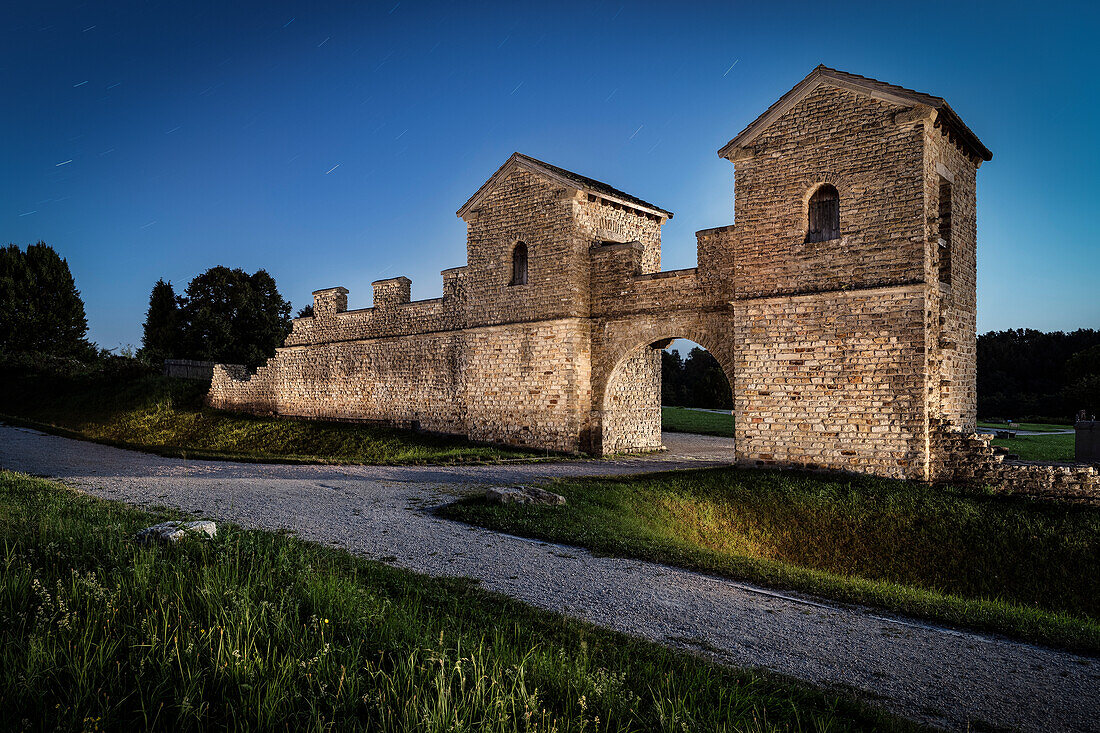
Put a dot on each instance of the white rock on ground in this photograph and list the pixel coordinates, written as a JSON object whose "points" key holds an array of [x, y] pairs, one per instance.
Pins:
{"points": [[524, 495], [169, 532]]}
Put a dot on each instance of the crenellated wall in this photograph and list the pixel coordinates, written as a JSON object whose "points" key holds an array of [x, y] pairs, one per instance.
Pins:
{"points": [[846, 354]]}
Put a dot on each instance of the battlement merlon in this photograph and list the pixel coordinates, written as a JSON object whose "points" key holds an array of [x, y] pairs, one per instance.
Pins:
{"points": [[392, 291], [330, 301]]}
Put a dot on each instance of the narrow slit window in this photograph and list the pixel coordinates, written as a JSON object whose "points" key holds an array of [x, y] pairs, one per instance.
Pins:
{"points": [[823, 215], [945, 232], [519, 264]]}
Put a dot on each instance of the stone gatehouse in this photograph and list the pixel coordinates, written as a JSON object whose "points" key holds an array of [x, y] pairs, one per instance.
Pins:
{"points": [[840, 303]]}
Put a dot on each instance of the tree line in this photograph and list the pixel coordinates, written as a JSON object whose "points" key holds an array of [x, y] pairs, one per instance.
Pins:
{"points": [[697, 381], [225, 315], [1023, 373]]}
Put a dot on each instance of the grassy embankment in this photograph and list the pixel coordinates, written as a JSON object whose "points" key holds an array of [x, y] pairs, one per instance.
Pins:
{"points": [[166, 416], [989, 563], [261, 630]]}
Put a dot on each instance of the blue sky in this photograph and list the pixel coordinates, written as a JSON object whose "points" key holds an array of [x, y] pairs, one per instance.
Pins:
{"points": [[331, 143]]}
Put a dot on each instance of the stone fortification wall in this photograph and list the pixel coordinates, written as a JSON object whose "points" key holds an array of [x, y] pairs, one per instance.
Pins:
{"points": [[840, 353], [963, 457]]}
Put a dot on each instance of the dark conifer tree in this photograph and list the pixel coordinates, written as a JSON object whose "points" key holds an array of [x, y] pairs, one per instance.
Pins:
{"points": [[40, 308], [162, 331]]}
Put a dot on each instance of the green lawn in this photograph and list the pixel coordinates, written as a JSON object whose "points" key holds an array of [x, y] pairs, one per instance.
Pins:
{"points": [[1037, 427], [1039, 447], [261, 630], [683, 420], [990, 563], [1028, 447], [167, 416]]}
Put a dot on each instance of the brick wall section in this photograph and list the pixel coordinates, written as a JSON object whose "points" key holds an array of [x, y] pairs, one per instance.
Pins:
{"points": [[953, 353], [540, 213], [528, 384], [632, 404], [851, 141], [832, 381]]}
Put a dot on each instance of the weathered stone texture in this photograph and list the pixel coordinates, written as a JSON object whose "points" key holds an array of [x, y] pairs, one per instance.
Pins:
{"points": [[961, 456], [632, 404], [852, 142], [854, 353], [832, 380]]}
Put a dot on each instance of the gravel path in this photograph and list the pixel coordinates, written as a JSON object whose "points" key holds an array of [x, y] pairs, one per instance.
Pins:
{"points": [[921, 671]]}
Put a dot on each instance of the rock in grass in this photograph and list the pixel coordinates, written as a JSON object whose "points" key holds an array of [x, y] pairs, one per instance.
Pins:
{"points": [[168, 532], [523, 495]]}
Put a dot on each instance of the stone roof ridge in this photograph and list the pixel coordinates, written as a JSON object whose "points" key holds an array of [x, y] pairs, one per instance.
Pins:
{"points": [[900, 95], [566, 177]]}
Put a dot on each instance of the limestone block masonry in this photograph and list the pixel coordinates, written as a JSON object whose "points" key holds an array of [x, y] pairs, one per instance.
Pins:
{"points": [[853, 353]]}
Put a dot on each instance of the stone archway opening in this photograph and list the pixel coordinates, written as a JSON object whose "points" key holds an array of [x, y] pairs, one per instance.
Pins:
{"points": [[670, 393]]}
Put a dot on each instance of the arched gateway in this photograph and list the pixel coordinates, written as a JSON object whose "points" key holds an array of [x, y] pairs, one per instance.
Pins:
{"points": [[825, 302]]}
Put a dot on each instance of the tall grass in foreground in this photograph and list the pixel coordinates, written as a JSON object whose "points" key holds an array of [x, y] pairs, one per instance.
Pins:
{"points": [[1004, 564], [261, 630]]}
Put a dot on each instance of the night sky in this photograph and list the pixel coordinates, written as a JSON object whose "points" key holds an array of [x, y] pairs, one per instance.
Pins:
{"points": [[332, 143]]}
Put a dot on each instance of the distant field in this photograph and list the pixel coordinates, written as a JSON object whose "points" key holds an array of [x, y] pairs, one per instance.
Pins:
{"points": [[684, 420], [1037, 427], [1027, 447], [1057, 448], [166, 416]]}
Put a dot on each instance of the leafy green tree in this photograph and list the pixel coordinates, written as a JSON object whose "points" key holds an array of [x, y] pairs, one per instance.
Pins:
{"points": [[233, 317], [697, 381], [707, 383], [306, 311], [40, 308], [162, 334], [672, 378]]}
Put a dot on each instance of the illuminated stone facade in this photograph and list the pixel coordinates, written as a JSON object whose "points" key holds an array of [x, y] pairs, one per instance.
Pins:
{"points": [[842, 354]]}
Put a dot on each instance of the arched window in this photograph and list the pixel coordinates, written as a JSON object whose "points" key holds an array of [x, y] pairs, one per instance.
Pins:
{"points": [[824, 215], [519, 264]]}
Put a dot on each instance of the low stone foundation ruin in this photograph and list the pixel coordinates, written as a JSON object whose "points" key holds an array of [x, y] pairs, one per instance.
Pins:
{"points": [[964, 457]]}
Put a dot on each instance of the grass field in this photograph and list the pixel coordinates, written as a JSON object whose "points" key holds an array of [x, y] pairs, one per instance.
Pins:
{"points": [[984, 562], [1057, 448], [261, 630], [683, 420], [1035, 427], [1027, 447], [166, 416]]}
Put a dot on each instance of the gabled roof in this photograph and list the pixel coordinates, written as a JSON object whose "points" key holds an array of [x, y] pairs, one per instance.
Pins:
{"points": [[946, 118], [566, 178]]}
